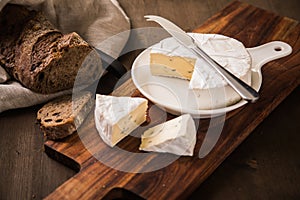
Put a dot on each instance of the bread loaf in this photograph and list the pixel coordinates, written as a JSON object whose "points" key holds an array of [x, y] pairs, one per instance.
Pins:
{"points": [[39, 56], [60, 117]]}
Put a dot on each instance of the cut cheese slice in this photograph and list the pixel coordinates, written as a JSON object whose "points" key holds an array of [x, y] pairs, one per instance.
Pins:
{"points": [[172, 66], [170, 58], [176, 136], [205, 86], [117, 117]]}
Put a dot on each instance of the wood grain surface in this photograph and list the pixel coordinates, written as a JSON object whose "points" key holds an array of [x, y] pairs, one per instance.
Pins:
{"points": [[265, 166], [98, 164]]}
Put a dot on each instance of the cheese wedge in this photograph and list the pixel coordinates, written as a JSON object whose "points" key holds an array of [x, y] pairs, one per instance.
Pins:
{"points": [[170, 58], [176, 136], [117, 117], [207, 89], [172, 66]]}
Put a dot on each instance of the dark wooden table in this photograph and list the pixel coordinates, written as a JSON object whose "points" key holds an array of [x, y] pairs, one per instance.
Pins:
{"points": [[265, 166]]}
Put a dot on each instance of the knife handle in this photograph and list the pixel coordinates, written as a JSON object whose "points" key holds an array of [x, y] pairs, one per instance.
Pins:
{"points": [[243, 89], [111, 64], [116, 71]]}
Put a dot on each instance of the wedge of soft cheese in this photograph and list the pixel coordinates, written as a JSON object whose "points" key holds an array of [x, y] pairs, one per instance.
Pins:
{"points": [[170, 58], [207, 89], [172, 66], [117, 117], [176, 136]]}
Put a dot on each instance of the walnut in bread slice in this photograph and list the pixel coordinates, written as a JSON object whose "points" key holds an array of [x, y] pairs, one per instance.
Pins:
{"points": [[60, 118]]}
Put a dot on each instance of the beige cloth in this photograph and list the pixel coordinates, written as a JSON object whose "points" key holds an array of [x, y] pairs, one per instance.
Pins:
{"points": [[97, 21]]}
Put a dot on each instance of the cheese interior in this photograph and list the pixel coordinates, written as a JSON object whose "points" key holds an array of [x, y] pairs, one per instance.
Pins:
{"points": [[176, 136], [116, 117], [128, 123], [163, 132], [170, 58], [172, 66]]}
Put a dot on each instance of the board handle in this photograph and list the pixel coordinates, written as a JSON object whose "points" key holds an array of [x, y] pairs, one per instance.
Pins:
{"points": [[265, 53]]}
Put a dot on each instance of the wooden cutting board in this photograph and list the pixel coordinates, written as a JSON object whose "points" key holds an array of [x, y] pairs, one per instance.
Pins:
{"points": [[95, 180]]}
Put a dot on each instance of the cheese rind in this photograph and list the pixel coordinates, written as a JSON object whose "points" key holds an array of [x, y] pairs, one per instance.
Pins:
{"points": [[117, 117], [176, 136], [228, 52]]}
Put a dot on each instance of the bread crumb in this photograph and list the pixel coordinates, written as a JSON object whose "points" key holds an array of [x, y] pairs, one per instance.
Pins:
{"points": [[252, 163]]}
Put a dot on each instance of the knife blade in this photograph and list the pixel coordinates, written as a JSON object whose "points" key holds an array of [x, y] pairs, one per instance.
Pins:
{"points": [[243, 89]]}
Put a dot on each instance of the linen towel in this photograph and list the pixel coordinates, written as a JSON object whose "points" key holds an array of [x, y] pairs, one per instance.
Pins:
{"points": [[94, 20]]}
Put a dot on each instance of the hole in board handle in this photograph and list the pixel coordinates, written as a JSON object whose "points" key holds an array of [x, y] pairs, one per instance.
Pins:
{"points": [[278, 48]]}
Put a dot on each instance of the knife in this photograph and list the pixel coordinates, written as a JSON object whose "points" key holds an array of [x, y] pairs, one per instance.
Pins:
{"points": [[116, 70], [111, 64], [243, 89]]}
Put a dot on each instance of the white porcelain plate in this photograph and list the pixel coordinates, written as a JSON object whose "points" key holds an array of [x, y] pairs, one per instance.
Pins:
{"points": [[173, 94]]}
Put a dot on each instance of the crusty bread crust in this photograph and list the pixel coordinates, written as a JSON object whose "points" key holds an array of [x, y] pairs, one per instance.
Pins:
{"points": [[60, 117], [39, 56]]}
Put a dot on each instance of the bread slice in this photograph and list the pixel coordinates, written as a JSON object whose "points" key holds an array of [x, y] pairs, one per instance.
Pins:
{"points": [[39, 56], [60, 117]]}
